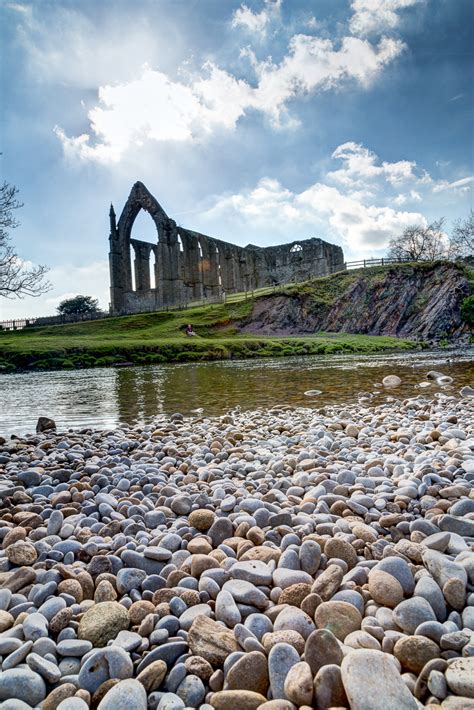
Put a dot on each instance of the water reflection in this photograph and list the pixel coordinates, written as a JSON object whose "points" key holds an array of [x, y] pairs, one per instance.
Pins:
{"points": [[106, 397]]}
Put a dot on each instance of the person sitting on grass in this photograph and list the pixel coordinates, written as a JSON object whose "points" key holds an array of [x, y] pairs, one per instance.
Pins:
{"points": [[189, 330]]}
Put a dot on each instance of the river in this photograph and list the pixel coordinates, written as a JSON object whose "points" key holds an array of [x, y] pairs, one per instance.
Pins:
{"points": [[105, 397]]}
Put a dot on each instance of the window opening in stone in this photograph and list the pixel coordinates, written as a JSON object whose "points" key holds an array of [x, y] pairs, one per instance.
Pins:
{"points": [[144, 228], [152, 269], [132, 264], [180, 244], [200, 250], [219, 274], [296, 248]]}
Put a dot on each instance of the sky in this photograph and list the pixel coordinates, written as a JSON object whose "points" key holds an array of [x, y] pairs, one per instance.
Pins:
{"points": [[260, 122]]}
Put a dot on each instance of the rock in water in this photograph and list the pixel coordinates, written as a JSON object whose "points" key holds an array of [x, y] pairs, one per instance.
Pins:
{"points": [[45, 424], [391, 381]]}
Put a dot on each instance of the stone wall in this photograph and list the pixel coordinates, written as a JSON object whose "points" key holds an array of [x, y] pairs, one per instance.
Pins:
{"points": [[190, 266]]}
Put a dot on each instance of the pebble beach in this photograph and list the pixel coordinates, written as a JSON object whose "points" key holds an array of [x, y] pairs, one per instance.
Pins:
{"points": [[286, 559]]}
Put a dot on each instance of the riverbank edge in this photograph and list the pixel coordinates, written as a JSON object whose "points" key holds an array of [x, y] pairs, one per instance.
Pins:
{"points": [[199, 350]]}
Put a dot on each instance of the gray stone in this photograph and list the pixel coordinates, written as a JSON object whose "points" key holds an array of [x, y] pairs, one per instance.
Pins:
{"points": [[226, 609], [372, 682], [412, 612], [399, 569], [48, 670], [460, 677], [253, 571], [427, 588], [191, 691], [293, 619], [171, 701], [281, 658], [111, 662], [22, 684], [126, 695]]}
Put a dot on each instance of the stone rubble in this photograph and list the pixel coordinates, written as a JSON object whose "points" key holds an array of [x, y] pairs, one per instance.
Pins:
{"points": [[285, 559]]}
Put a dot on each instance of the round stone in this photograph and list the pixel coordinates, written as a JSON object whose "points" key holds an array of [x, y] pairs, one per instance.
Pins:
{"points": [[22, 553], [102, 622], [385, 589], [342, 550], [125, 695], [249, 673], [22, 684], [293, 619], [460, 676], [412, 612], [152, 676], [104, 664], [391, 381], [322, 648], [339, 617], [414, 652], [299, 684], [201, 519]]}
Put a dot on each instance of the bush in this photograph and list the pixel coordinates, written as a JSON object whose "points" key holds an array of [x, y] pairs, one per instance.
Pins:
{"points": [[467, 310]]}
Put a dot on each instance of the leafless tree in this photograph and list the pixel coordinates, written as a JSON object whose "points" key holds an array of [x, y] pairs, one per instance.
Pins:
{"points": [[462, 237], [419, 243], [16, 279]]}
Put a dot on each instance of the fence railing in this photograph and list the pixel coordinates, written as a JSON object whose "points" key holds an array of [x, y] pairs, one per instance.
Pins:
{"points": [[34, 322], [367, 263]]}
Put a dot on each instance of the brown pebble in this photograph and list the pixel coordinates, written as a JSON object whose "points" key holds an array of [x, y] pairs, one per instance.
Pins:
{"points": [[56, 696], [139, 610], [103, 689], [152, 676]]}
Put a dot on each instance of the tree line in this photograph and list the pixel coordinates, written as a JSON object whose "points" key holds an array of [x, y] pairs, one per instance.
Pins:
{"points": [[18, 278]]}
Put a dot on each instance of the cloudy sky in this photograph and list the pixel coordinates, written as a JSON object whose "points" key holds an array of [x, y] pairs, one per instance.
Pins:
{"points": [[258, 122]]}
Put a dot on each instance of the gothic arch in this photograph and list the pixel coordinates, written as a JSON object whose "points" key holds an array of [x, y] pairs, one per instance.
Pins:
{"points": [[141, 199]]}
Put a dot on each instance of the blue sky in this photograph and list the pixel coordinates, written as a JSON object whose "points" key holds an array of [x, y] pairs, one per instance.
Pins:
{"points": [[258, 122]]}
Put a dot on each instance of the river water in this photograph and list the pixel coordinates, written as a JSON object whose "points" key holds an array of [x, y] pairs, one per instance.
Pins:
{"points": [[106, 397]]}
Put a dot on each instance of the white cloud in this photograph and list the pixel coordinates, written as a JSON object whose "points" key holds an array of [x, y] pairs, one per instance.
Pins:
{"points": [[321, 210], [154, 107], [314, 64], [377, 16], [412, 196], [256, 23], [361, 165], [462, 185]]}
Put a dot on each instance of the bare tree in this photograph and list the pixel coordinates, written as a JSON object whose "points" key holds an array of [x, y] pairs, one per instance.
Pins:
{"points": [[419, 243], [462, 237], [16, 279]]}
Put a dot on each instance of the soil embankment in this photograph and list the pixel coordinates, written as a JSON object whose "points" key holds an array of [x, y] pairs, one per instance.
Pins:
{"points": [[419, 301]]}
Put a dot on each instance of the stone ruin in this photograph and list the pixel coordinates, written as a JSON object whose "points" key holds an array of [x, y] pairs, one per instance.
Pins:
{"points": [[185, 266]]}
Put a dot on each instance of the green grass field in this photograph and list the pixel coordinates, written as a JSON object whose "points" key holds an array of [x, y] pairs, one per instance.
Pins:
{"points": [[160, 337]]}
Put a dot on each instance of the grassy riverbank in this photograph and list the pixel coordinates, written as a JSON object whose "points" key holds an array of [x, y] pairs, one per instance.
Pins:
{"points": [[160, 337]]}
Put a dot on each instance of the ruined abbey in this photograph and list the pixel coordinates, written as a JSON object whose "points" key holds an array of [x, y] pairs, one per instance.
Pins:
{"points": [[185, 266]]}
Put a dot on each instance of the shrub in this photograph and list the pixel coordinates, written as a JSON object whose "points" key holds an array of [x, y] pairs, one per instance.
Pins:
{"points": [[467, 310]]}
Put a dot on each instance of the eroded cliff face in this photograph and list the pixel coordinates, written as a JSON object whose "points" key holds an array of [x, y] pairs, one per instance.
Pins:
{"points": [[421, 302]]}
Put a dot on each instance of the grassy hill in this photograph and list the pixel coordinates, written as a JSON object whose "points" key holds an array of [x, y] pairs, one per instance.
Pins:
{"points": [[354, 311]]}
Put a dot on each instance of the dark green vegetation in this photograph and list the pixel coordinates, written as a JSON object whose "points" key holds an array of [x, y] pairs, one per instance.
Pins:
{"points": [[160, 337]]}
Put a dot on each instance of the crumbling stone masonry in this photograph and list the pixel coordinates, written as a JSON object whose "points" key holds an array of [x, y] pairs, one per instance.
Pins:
{"points": [[188, 266]]}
